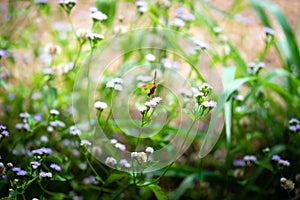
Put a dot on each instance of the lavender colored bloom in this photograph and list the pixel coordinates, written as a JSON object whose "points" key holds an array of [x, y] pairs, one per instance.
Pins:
{"points": [[268, 31], [125, 163], [21, 173], [276, 158], [42, 151], [16, 169], [24, 115], [35, 164], [38, 117], [178, 22], [293, 128], [56, 167], [45, 175], [239, 163], [120, 146], [90, 180], [19, 126]]}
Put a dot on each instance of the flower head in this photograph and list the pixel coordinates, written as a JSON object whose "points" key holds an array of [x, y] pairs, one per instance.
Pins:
{"points": [[45, 174], [35, 164], [55, 166], [125, 163], [110, 161], [99, 105]]}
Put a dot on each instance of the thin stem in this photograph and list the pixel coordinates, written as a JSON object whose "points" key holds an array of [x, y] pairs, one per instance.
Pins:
{"points": [[93, 169]]}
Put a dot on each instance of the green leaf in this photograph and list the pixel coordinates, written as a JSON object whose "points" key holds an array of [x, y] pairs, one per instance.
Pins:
{"points": [[49, 95], [159, 194], [228, 77], [184, 185]]}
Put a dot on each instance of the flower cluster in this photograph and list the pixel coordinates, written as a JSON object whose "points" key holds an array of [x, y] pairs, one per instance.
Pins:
{"points": [[143, 157], [19, 171], [247, 160], [280, 162], [3, 132], [287, 184], [42, 151], [45, 174], [254, 68], [294, 125], [97, 15], [3, 168], [74, 131], [118, 145], [115, 83], [141, 6], [67, 5], [99, 105], [94, 38], [152, 103]]}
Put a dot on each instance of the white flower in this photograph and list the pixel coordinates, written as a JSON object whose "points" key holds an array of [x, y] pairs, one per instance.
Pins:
{"points": [[149, 150], [150, 57], [98, 16], [74, 131], [142, 109], [110, 84], [94, 36], [118, 87], [209, 104], [113, 141], [110, 161], [178, 22], [141, 157], [85, 142], [99, 105], [54, 112], [134, 154]]}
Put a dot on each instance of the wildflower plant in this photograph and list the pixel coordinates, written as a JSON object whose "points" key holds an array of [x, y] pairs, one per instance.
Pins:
{"points": [[142, 99]]}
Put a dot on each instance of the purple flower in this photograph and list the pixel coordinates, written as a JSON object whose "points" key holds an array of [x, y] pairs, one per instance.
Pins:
{"points": [[120, 146], [35, 164], [268, 31], [45, 174], [38, 117], [21, 173], [275, 158], [56, 167], [239, 163], [125, 163], [42, 151], [16, 169]]}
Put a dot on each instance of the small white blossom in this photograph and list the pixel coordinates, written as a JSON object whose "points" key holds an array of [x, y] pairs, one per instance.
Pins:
{"points": [[118, 87], [134, 154], [85, 142], [113, 141], [98, 16], [99, 105], [209, 104], [178, 22], [142, 109], [149, 150], [150, 57], [141, 157], [110, 161], [54, 112], [75, 131]]}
